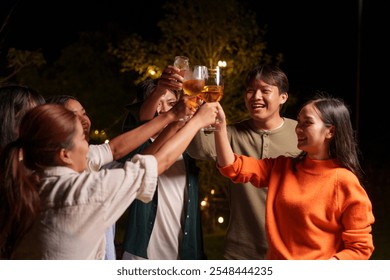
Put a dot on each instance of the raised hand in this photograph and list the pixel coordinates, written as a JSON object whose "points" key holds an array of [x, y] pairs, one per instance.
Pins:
{"points": [[207, 113], [170, 79], [182, 111]]}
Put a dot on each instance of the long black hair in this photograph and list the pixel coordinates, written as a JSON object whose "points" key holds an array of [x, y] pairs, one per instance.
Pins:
{"points": [[15, 101], [343, 147]]}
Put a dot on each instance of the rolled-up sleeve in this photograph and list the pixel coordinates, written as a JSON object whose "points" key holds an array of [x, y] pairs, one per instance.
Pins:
{"points": [[147, 187]]}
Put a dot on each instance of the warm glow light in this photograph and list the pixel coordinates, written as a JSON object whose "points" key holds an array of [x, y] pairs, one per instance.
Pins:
{"points": [[152, 72], [220, 220], [203, 203], [212, 191], [96, 132], [222, 63], [106, 141]]}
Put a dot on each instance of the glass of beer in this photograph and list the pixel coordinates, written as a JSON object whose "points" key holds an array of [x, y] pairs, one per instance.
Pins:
{"points": [[183, 63], [193, 84], [213, 90]]}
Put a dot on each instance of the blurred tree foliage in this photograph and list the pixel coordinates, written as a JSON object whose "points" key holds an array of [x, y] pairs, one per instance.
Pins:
{"points": [[84, 69], [17, 61], [12, 60], [205, 31], [87, 71], [103, 68]]}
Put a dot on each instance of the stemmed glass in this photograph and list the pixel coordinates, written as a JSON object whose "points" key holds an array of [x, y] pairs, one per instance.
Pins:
{"points": [[213, 90], [193, 83], [183, 63]]}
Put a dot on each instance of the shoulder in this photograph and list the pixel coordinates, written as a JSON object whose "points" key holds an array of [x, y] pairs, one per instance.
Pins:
{"points": [[288, 129], [348, 182], [345, 175], [239, 126], [242, 123], [290, 122]]}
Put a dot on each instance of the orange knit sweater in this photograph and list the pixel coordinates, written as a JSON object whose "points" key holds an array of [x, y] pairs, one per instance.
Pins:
{"points": [[317, 212]]}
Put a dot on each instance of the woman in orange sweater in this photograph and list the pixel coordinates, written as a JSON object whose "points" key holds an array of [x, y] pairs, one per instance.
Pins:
{"points": [[316, 206]]}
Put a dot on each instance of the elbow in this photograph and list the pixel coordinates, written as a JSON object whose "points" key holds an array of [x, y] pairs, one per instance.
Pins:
{"points": [[163, 163], [161, 167], [115, 153]]}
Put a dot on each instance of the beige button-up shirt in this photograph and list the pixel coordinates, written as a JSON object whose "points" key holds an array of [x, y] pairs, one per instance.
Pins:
{"points": [[77, 208]]}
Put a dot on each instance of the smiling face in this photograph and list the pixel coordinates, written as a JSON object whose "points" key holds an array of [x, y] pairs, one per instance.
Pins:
{"points": [[313, 135], [263, 102], [75, 106], [166, 102]]}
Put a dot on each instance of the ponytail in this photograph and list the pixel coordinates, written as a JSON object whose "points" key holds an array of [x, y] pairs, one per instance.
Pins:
{"points": [[19, 198]]}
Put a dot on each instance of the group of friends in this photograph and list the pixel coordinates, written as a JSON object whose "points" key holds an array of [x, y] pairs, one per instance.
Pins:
{"points": [[295, 190]]}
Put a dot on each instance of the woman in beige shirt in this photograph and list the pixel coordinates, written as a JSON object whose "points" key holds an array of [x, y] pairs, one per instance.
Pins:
{"points": [[55, 210]]}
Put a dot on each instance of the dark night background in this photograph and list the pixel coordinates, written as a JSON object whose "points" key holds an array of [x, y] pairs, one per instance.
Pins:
{"points": [[336, 46]]}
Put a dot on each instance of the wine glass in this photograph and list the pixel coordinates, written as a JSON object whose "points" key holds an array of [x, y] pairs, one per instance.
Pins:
{"points": [[193, 83], [183, 63], [213, 90]]}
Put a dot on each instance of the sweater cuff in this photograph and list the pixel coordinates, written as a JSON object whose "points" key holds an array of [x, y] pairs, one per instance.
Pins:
{"points": [[228, 170]]}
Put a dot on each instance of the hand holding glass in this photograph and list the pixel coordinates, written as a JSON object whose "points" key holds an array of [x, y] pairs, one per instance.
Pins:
{"points": [[213, 90], [183, 63], [194, 82]]}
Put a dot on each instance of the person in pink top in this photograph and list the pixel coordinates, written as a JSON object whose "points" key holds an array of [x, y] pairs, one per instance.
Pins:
{"points": [[316, 206]]}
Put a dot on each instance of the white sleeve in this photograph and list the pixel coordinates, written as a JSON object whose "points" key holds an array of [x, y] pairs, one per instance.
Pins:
{"points": [[99, 155], [147, 187]]}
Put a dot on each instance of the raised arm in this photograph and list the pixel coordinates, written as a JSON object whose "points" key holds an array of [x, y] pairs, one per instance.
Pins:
{"points": [[172, 149], [163, 137], [130, 140], [224, 151], [170, 80], [171, 129]]}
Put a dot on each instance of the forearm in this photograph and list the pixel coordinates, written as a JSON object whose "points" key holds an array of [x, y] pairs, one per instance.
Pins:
{"points": [[224, 151], [164, 136], [130, 140], [172, 149], [177, 144], [149, 106]]}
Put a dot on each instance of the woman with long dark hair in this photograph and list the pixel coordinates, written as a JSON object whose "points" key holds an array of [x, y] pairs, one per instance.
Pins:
{"points": [[316, 206]]}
